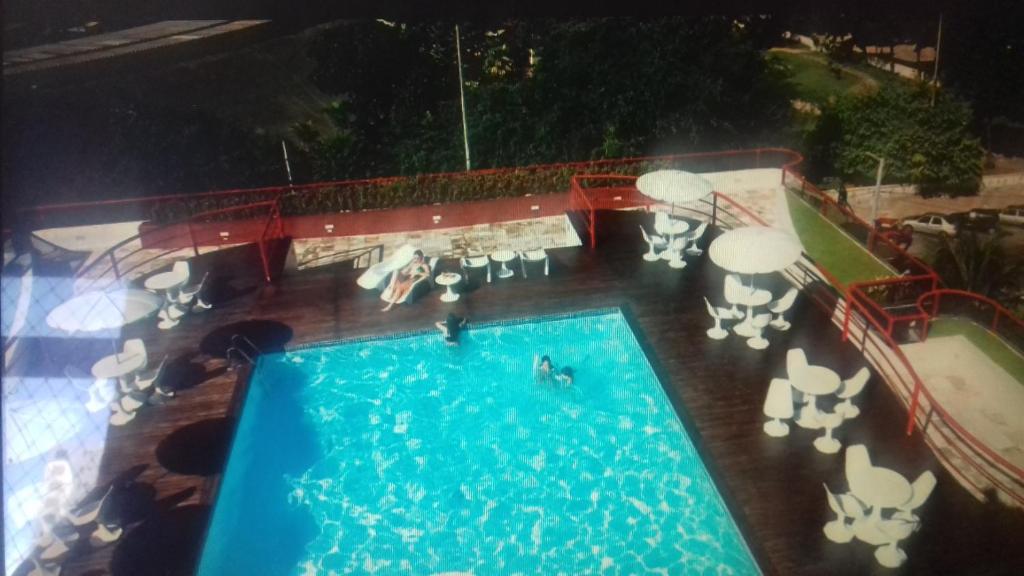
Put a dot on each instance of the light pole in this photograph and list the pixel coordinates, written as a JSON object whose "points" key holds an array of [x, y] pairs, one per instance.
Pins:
{"points": [[878, 186], [462, 96]]}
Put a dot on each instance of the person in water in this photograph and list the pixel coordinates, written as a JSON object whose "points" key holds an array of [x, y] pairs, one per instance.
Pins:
{"points": [[403, 280], [451, 327], [545, 371]]}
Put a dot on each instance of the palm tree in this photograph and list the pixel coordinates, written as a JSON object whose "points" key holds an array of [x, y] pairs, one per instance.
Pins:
{"points": [[980, 265]]}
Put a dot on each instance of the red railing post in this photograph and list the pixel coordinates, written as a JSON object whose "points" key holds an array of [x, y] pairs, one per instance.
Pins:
{"points": [[846, 317], [192, 237], [113, 265], [263, 257], [914, 401], [714, 208], [593, 235]]}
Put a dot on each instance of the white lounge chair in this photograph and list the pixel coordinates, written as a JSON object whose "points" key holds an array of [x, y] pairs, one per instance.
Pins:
{"points": [[145, 380], [846, 508], [758, 341], [719, 314], [921, 489], [675, 251], [187, 296], [858, 468], [654, 242], [101, 391], [889, 554], [826, 444], [376, 276], [419, 287], [469, 263], [778, 405], [531, 256], [850, 388], [780, 307], [694, 237], [86, 512]]}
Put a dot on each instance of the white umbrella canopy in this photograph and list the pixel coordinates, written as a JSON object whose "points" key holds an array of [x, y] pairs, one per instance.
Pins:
{"points": [[97, 311], [674, 186], [755, 250]]}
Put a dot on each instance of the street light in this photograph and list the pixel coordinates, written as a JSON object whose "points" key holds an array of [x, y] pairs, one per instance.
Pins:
{"points": [[878, 186]]}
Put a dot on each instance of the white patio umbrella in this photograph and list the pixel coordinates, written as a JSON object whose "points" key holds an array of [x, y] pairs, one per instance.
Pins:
{"points": [[754, 250], [674, 186], [97, 311]]}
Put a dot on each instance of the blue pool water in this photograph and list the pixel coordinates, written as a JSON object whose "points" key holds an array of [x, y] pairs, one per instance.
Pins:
{"points": [[406, 456]]}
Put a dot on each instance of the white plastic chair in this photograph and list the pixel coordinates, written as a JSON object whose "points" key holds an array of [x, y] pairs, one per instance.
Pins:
{"points": [[654, 242], [694, 237], [838, 530], [132, 401], [921, 489], [778, 405], [780, 307], [119, 417], [675, 250], [188, 294], [735, 293], [890, 555], [181, 269], [758, 341], [850, 388], [86, 512], [135, 346], [104, 535], [477, 262], [719, 314], [857, 468], [663, 224], [532, 256], [145, 380], [826, 444], [796, 360]]}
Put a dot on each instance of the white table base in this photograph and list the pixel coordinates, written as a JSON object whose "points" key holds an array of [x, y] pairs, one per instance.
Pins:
{"points": [[449, 295]]}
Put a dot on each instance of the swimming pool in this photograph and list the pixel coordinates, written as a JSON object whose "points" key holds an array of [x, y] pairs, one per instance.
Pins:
{"points": [[402, 455]]}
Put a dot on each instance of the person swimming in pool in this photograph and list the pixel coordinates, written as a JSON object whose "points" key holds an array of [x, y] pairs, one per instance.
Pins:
{"points": [[403, 280], [451, 327], [543, 370]]}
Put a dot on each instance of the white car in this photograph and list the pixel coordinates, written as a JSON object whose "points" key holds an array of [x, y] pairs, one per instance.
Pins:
{"points": [[930, 224], [1012, 215]]}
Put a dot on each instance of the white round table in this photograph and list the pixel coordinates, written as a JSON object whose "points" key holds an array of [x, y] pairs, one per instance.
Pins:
{"points": [[164, 281], [118, 365], [813, 381], [448, 279], [504, 257]]}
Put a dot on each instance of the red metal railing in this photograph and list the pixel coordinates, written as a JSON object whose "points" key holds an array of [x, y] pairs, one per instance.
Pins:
{"points": [[366, 194], [980, 309], [133, 256]]}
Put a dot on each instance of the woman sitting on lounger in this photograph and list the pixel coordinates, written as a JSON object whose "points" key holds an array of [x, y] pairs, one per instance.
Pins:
{"points": [[403, 280]]}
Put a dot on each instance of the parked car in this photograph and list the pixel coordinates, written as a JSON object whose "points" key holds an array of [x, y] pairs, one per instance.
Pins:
{"points": [[890, 228], [930, 224], [1012, 215], [977, 219]]}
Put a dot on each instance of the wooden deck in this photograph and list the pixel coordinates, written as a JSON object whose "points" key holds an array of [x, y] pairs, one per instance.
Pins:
{"points": [[772, 486]]}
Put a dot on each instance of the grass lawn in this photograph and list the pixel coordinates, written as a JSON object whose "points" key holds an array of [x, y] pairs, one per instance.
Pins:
{"points": [[813, 80], [831, 248], [1000, 353]]}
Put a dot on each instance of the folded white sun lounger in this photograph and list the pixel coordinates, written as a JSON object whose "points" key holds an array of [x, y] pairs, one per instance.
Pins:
{"points": [[376, 275]]}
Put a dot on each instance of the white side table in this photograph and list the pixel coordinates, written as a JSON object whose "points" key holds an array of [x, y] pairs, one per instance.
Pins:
{"points": [[504, 257], [448, 279]]}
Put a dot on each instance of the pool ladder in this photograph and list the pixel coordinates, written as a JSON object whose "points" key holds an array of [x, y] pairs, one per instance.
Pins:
{"points": [[239, 345]]}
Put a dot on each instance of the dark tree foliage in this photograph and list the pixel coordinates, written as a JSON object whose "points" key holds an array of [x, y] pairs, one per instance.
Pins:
{"points": [[545, 91], [930, 146]]}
